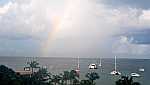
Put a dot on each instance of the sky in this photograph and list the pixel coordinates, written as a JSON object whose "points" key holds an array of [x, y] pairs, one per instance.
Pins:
{"points": [[71, 28]]}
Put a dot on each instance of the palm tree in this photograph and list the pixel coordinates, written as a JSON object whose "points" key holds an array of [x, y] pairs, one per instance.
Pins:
{"points": [[92, 76], [33, 65], [66, 77], [43, 75], [73, 76], [56, 79]]}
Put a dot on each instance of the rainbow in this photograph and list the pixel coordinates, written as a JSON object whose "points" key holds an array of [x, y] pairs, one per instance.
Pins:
{"points": [[58, 23]]}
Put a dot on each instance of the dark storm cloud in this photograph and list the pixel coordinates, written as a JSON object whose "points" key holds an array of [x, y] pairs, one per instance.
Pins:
{"points": [[144, 4]]}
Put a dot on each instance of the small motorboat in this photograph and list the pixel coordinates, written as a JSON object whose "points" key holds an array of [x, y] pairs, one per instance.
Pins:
{"points": [[135, 75], [141, 69], [92, 66]]}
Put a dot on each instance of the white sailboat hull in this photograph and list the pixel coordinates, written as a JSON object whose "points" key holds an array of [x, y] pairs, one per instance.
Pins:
{"points": [[100, 65], [115, 73], [135, 75], [92, 66]]}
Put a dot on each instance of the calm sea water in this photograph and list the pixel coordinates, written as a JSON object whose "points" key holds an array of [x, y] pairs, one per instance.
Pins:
{"points": [[58, 65]]}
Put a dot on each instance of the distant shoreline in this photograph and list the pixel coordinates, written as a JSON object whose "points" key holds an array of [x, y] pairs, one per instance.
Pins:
{"points": [[71, 57]]}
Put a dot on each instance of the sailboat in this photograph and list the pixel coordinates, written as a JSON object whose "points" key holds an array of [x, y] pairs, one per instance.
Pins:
{"points": [[115, 72], [78, 67], [100, 62], [27, 67]]}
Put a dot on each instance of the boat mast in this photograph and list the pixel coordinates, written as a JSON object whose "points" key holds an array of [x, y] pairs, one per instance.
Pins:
{"points": [[100, 62], [78, 63], [78, 68], [115, 63]]}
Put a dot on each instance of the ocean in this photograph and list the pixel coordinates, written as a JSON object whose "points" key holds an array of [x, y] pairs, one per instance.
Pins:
{"points": [[58, 65]]}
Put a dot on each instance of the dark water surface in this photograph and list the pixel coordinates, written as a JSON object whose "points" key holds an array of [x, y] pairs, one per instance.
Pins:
{"points": [[58, 65]]}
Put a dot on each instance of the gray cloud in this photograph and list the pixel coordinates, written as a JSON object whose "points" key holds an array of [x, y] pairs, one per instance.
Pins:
{"points": [[75, 27], [139, 36], [142, 4], [132, 42]]}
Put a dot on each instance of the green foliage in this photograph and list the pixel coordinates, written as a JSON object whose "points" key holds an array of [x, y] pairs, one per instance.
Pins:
{"points": [[92, 76], [43, 77], [33, 64], [8, 76], [136, 83], [70, 77], [56, 79], [86, 82], [126, 81]]}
